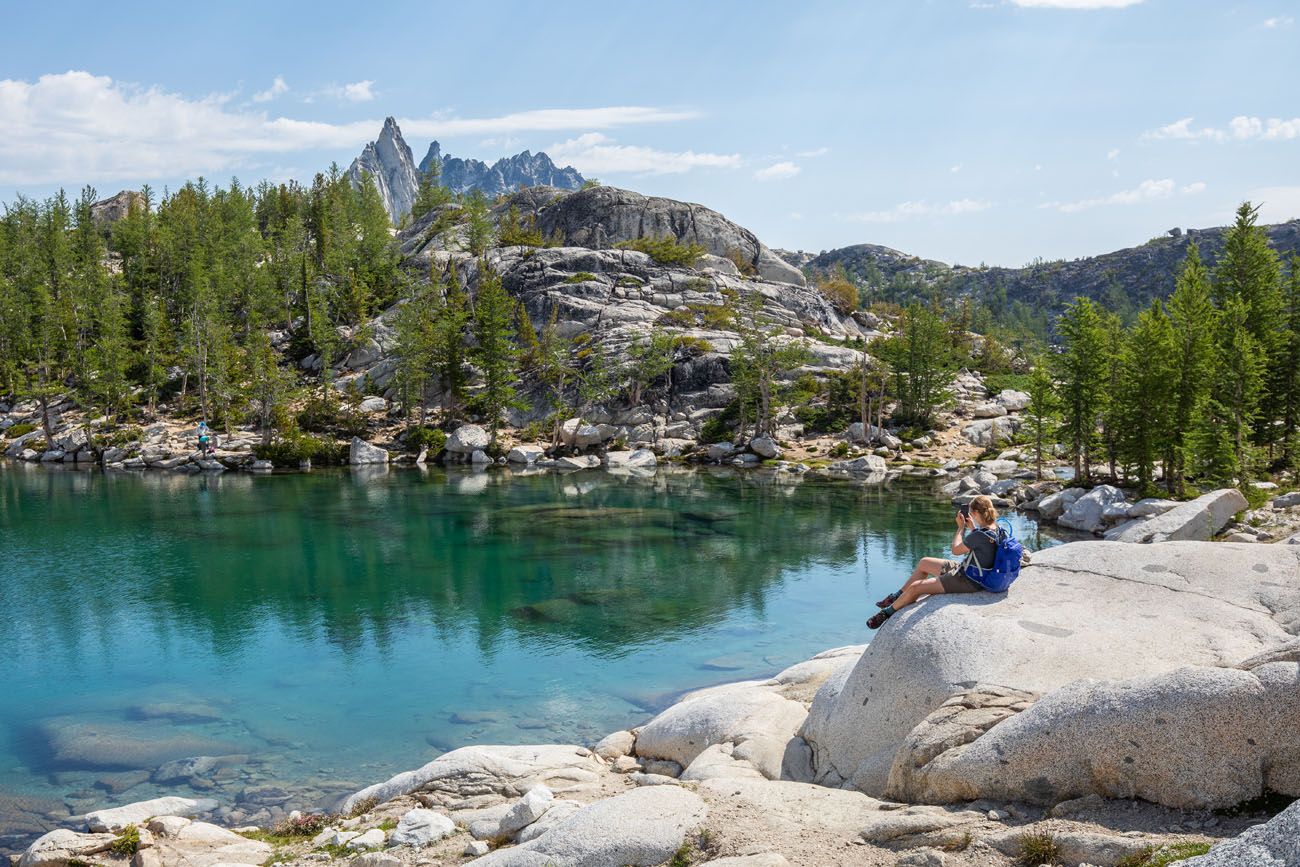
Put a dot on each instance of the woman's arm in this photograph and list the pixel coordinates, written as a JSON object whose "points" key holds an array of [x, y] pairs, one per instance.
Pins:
{"points": [[958, 541]]}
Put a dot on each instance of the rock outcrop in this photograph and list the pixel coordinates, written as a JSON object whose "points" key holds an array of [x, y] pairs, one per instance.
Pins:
{"points": [[1074, 616], [388, 163], [1275, 843], [106, 212], [600, 217]]}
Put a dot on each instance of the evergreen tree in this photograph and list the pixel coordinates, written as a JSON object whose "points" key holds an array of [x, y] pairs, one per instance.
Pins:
{"points": [[270, 386], [922, 360], [111, 354], [1080, 370], [1286, 381], [1193, 318], [759, 360], [1144, 402], [1042, 414], [494, 353], [430, 194], [478, 223], [1223, 445], [1249, 271], [450, 321], [649, 359], [416, 348]]}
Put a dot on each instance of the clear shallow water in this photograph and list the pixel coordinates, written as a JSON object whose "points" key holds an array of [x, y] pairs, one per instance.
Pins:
{"points": [[330, 629]]}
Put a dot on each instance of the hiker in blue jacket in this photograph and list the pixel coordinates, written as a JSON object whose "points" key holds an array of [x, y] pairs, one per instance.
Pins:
{"points": [[985, 566]]}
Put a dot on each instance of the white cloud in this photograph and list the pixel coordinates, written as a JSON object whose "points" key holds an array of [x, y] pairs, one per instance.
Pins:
{"points": [[75, 127], [1148, 190], [356, 91], [1240, 128], [916, 210], [594, 153], [359, 91], [955, 169], [1112, 154], [815, 152], [1279, 21], [1277, 204], [795, 215], [777, 171], [1075, 4], [277, 88]]}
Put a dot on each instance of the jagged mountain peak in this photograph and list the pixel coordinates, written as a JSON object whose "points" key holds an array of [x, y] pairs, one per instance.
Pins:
{"points": [[389, 162]]}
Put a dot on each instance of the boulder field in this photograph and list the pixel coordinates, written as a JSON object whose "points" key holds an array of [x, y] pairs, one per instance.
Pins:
{"points": [[1105, 707]]}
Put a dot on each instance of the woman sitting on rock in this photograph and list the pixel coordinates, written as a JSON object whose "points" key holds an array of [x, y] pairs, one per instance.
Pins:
{"points": [[977, 537]]}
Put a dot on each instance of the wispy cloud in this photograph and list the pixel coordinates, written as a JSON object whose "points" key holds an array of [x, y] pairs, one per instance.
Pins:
{"points": [[277, 88], [1148, 190], [918, 210], [777, 171], [75, 127], [814, 152], [1279, 21], [1075, 4], [356, 91], [1240, 128], [594, 153], [955, 168], [1112, 154]]}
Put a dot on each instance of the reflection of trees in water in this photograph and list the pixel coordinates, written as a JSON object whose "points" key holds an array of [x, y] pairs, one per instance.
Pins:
{"points": [[603, 560]]}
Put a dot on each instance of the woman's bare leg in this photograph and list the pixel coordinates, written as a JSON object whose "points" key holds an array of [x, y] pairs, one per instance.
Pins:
{"points": [[927, 566], [928, 586]]}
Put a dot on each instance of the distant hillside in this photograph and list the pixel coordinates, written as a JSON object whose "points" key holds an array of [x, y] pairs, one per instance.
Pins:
{"points": [[1132, 276], [388, 162]]}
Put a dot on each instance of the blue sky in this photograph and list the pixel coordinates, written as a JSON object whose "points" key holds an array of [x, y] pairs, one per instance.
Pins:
{"points": [[994, 131]]}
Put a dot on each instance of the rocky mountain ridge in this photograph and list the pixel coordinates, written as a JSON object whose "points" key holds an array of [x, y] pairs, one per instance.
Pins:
{"points": [[389, 163], [1133, 274], [460, 175]]}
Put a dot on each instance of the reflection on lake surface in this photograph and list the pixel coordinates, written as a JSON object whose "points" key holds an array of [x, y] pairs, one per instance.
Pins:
{"points": [[317, 632]]}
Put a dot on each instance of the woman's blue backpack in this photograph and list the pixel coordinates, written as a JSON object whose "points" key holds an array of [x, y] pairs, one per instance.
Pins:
{"points": [[1006, 564]]}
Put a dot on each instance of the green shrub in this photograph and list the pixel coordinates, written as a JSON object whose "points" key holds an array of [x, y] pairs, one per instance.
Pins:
{"points": [[126, 843], [841, 294], [1162, 856], [997, 382], [665, 250], [839, 450], [627, 281], [721, 426], [18, 430], [580, 277], [425, 438], [676, 319], [296, 448], [1038, 847], [120, 437], [743, 265], [328, 414]]}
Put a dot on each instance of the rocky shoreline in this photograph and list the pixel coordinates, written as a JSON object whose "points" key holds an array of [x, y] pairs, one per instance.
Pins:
{"points": [[1121, 702]]}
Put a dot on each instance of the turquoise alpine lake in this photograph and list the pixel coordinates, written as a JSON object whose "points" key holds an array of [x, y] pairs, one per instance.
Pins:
{"points": [[313, 633]]}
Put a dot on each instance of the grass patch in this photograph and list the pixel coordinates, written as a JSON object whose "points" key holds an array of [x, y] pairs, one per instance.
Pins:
{"points": [[365, 805], [580, 277], [388, 825], [996, 382], [17, 430], [1162, 856], [961, 844], [126, 843], [1038, 847]]}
